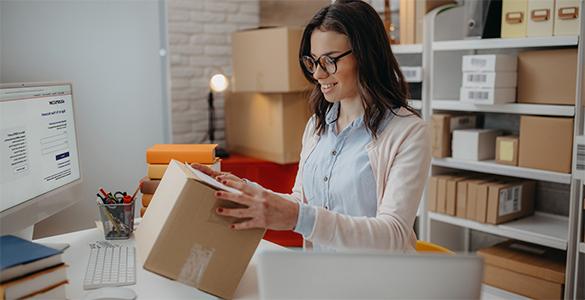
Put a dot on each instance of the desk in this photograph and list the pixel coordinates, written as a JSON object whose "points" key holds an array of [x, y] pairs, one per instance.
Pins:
{"points": [[148, 285]]}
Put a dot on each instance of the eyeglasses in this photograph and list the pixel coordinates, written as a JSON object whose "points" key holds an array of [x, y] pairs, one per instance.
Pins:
{"points": [[327, 63]]}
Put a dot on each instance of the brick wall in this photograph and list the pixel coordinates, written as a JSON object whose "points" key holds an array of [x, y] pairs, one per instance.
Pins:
{"points": [[199, 46]]}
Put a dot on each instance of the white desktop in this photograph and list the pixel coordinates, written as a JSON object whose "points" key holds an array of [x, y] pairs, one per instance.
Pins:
{"points": [[39, 160]]}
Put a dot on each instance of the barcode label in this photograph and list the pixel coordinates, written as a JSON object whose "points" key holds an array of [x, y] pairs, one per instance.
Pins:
{"points": [[510, 200], [580, 157], [409, 73], [478, 62], [478, 95], [412, 74], [477, 78]]}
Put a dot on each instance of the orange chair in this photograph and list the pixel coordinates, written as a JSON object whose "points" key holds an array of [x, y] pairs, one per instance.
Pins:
{"points": [[424, 246]]}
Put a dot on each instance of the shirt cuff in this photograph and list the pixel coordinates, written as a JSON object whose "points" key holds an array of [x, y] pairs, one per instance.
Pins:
{"points": [[306, 219]]}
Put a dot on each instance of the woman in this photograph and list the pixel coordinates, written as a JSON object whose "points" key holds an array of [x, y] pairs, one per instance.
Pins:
{"points": [[366, 153]]}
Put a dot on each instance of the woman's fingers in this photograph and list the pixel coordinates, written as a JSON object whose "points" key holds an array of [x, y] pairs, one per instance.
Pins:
{"points": [[242, 186], [205, 169], [246, 225], [237, 198], [239, 213], [227, 176]]}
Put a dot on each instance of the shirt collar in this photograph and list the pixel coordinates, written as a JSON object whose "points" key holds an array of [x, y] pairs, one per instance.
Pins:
{"points": [[332, 113]]}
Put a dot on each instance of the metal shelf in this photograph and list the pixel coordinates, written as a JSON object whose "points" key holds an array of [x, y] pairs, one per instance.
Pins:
{"points": [[582, 247], [529, 42], [541, 228], [416, 104], [407, 49], [489, 292], [510, 108], [491, 167]]}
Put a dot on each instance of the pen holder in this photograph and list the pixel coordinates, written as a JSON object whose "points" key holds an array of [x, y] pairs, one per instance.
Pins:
{"points": [[117, 219]]}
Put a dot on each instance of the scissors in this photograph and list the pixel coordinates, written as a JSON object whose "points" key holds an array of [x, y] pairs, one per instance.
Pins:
{"points": [[120, 196]]}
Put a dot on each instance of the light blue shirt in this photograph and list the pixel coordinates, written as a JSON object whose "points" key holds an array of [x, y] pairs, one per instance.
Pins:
{"points": [[337, 174]]}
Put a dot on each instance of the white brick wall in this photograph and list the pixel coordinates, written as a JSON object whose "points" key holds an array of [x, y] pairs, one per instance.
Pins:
{"points": [[200, 45]]}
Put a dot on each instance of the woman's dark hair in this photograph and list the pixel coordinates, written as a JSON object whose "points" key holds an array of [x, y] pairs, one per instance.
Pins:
{"points": [[381, 84]]}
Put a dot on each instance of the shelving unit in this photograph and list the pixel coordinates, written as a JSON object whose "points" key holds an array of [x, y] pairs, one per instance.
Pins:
{"points": [[407, 49], [491, 167], [510, 108], [494, 293], [543, 229], [443, 47], [416, 104]]}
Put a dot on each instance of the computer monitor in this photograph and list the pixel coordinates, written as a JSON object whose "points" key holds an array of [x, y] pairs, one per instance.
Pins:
{"points": [[39, 159]]}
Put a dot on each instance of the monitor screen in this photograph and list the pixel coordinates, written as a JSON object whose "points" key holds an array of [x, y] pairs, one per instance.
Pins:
{"points": [[38, 146]]}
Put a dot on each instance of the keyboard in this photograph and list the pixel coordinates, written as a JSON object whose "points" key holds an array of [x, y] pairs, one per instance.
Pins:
{"points": [[110, 265]]}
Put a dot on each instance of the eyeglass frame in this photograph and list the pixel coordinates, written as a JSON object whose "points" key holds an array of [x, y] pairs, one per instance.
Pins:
{"points": [[318, 61]]}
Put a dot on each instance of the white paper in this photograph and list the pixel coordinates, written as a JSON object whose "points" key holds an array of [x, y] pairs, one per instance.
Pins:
{"points": [[211, 181]]}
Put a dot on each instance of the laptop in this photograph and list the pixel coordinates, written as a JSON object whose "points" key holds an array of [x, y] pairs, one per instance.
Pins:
{"points": [[314, 275]]}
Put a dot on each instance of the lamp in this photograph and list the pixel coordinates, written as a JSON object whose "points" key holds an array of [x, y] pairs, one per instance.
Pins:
{"points": [[218, 83]]}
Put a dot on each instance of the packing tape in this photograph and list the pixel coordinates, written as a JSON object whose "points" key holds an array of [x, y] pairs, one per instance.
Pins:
{"points": [[195, 265]]}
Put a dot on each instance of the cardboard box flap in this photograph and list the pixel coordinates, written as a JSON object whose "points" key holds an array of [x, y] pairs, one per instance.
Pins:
{"points": [[524, 258]]}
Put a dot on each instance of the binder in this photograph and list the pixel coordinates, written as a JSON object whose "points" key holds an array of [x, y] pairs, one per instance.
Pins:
{"points": [[540, 18], [514, 18]]}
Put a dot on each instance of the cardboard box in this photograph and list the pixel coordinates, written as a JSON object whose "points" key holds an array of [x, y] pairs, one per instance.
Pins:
{"points": [[443, 126], [474, 144], [487, 96], [442, 193], [514, 15], [451, 199], [546, 143], [489, 63], [529, 270], [509, 201], [473, 191], [567, 17], [267, 60], [489, 79], [182, 238], [547, 77], [266, 126], [541, 14], [461, 201], [433, 185], [507, 150]]}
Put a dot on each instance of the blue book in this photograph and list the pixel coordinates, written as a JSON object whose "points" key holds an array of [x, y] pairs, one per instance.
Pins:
{"points": [[19, 257]]}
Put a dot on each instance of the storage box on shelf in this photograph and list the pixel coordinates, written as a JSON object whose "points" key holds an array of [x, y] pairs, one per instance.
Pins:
{"points": [[447, 48]]}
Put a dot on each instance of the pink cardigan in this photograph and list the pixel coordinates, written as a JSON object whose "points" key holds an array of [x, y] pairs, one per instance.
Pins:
{"points": [[400, 159]]}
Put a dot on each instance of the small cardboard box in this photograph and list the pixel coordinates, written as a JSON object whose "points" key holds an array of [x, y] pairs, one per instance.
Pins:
{"points": [[461, 199], [474, 144], [182, 238], [443, 127], [547, 77], [451, 200], [266, 60], [442, 193], [507, 150], [509, 201], [546, 143], [266, 126], [473, 191], [493, 80], [433, 185], [529, 270], [487, 96], [489, 63]]}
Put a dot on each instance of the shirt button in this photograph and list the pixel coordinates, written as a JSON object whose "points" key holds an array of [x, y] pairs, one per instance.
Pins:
{"points": [[333, 152], [325, 178]]}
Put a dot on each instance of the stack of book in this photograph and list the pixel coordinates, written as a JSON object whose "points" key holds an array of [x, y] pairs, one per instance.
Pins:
{"points": [[30, 271], [159, 156]]}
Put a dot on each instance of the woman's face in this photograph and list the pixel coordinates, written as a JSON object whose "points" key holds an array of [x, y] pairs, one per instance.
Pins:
{"points": [[343, 84]]}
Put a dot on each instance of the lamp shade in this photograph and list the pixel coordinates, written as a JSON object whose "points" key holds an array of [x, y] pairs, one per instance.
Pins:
{"points": [[218, 83]]}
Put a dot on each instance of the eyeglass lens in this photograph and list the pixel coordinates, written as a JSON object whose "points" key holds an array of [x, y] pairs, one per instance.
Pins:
{"points": [[326, 62]]}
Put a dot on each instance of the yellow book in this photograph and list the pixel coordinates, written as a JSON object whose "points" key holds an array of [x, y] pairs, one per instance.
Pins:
{"points": [[192, 153]]}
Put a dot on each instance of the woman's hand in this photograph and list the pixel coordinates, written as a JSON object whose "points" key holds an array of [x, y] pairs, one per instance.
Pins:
{"points": [[219, 176], [263, 209]]}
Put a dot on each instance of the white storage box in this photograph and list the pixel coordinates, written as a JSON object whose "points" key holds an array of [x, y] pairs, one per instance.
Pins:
{"points": [[489, 79], [567, 17], [488, 95], [412, 74], [540, 18], [474, 144], [489, 63]]}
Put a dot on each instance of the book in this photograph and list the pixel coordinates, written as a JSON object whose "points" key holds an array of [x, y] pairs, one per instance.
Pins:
{"points": [[157, 171], [34, 283], [191, 153], [19, 257], [53, 292], [146, 199], [149, 185]]}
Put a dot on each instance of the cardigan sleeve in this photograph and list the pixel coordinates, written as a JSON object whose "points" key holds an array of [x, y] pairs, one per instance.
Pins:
{"points": [[403, 161]]}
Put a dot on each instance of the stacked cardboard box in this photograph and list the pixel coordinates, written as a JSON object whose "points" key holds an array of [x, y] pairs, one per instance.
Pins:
{"points": [[266, 114], [489, 79], [159, 156], [481, 198], [529, 270], [443, 126]]}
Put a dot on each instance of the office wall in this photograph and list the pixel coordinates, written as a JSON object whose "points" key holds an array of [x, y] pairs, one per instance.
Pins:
{"points": [[110, 51], [200, 45]]}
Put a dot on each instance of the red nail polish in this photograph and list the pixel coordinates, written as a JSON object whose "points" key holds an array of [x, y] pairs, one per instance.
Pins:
{"points": [[220, 209], [232, 226], [224, 181]]}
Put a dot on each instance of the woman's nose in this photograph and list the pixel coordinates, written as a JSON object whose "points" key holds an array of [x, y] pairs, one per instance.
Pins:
{"points": [[320, 73]]}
